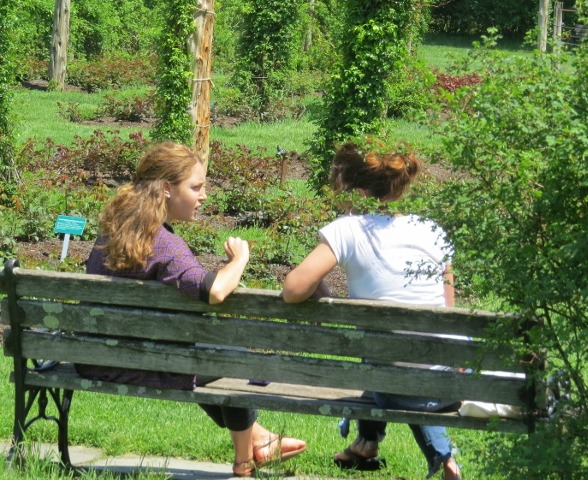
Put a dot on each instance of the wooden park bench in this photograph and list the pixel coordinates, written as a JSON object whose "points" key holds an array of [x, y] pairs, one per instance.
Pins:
{"points": [[311, 353]]}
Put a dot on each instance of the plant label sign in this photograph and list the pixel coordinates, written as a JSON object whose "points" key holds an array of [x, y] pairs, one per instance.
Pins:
{"points": [[69, 226]]}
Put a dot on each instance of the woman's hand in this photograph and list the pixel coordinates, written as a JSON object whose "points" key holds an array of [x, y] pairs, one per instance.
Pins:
{"points": [[228, 277], [237, 249]]}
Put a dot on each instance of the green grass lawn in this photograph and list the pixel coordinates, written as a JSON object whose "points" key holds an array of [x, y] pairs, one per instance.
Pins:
{"points": [[38, 116], [443, 51]]}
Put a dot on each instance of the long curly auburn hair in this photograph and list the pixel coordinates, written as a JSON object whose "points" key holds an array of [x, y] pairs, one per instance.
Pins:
{"points": [[131, 219]]}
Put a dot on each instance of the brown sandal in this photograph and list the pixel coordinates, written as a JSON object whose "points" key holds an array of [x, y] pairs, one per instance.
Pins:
{"points": [[244, 469], [358, 462]]}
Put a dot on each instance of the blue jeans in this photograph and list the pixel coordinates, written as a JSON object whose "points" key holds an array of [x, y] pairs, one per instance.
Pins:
{"points": [[432, 441]]}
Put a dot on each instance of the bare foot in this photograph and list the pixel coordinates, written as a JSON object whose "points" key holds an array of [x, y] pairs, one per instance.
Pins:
{"points": [[277, 449], [451, 470]]}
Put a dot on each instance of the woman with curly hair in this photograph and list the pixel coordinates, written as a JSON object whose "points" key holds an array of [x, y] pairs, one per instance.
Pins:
{"points": [[137, 241]]}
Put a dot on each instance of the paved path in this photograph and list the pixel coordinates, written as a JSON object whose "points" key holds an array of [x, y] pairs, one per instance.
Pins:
{"points": [[176, 468]]}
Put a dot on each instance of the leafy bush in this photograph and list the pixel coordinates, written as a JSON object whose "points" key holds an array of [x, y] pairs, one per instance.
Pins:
{"points": [[7, 173], [247, 185], [473, 17], [31, 69], [243, 177], [8, 241], [111, 71], [70, 111], [66, 181], [99, 159], [33, 37], [96, 29], [99, 28], [409, 89], [135, 109], [517, 216]]}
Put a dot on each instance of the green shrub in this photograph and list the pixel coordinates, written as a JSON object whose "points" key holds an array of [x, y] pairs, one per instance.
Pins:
{"points": [[111, 71], [241, 177], [96, 29], [468, 17], [517, 216], [247, 186], [101, 158], [101, 28], [409, 89], [31, 68], [135, 109]]}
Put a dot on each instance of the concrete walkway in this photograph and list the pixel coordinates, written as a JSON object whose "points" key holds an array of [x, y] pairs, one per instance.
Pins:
{"points": [[175, 468]]}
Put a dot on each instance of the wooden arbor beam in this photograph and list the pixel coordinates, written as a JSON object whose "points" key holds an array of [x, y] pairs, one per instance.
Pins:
{"points": [[200, 48]]}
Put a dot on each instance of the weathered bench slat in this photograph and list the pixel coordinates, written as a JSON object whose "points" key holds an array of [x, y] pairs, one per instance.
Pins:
{"points": [[281, 368], [181, 327], [367, 314], [282, 397]]}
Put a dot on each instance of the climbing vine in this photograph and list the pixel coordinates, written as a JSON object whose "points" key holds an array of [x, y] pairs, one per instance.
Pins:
{"points": [[373, 41], [6, 80], [266, 49], [174, 92]]}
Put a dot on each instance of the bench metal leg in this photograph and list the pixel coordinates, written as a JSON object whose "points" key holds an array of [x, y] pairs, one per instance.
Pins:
{"points": [[24, 403], [22, 406], [63, 433]]}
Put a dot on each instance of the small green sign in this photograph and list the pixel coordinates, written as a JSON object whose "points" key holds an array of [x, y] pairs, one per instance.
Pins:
{"points": [[71, 225]]}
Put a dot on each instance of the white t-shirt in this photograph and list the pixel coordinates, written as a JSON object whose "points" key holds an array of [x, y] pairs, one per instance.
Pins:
{"points": [[391, 258]]}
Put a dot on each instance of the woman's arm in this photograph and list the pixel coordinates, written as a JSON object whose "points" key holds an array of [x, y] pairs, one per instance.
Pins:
{"points": [[448, 289], [228, 277], [307, 278]]}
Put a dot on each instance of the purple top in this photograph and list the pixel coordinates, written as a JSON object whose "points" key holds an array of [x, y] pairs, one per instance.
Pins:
{"points": [[171, 262]]}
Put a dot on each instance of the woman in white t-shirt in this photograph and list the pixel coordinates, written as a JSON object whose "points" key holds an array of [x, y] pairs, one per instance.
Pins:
{"points": [[385, 257]]}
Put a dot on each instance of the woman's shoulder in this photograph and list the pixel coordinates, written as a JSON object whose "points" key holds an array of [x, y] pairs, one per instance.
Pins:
{"points": [[418, 222], [166, 236], [348, 221]]}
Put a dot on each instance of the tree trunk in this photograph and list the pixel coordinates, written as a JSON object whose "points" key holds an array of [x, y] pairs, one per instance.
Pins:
{"points": [[200, 48], [59, 40]]}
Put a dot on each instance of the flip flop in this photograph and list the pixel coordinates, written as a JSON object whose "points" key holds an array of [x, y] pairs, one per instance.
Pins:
{"points": [[359, 462], [275, 453]]}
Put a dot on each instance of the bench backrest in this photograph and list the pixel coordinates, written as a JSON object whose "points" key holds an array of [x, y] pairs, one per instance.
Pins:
{"points": [[255, 334]]}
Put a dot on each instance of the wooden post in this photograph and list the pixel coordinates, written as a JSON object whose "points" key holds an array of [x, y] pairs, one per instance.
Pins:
{"points": [[308, 37], [543, 24], [557, 22], [59, 41], [200, 48]]}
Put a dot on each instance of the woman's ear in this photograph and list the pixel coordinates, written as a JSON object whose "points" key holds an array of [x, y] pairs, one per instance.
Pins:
{"points": [[166, 189]]}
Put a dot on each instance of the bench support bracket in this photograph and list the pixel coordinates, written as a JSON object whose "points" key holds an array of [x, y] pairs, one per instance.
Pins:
{"points": [[40, 396]]}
